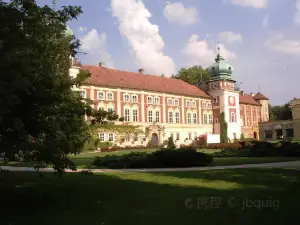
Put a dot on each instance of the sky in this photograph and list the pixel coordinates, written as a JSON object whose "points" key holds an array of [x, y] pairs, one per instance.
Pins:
{"points": [[259, 38]]}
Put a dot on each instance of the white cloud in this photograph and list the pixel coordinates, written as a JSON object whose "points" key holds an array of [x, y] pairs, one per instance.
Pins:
{"points": [[143, 37], [95, 46], [197, 52], [82, 29], [258, 4], [230, 37], [279, 44], [265, 22], [297, 13], [178, 13]]}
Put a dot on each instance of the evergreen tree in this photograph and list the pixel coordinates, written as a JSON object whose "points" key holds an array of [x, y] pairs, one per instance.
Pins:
{"points": [[223, 128]]}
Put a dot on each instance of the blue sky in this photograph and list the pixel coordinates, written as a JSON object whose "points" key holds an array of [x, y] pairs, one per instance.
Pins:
{"points": [[260, 38]]}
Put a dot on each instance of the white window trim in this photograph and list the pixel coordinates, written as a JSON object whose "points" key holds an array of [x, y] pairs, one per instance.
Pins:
{"points": [[150, 110], [205, 114], [103, 136], [156, 103], [149, 97], [194, 104], [169, 116], [170, 99], [113, 137], [137, 100], [176, 117], [126, 108], [137, 115], [210, 118], [187, 118], [204, 105], [188, 103], [159, 116], [124, 99], [102, 93], [176, 102], [84, 91], [112, 94], [193, 117]]}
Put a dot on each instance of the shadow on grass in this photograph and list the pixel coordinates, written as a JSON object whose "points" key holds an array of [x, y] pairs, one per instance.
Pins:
{"points": [[150, 198]]}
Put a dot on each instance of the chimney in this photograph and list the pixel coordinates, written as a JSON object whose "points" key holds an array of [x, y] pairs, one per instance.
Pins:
{"points": [[141, 71], [252, 94], [101, 64]]}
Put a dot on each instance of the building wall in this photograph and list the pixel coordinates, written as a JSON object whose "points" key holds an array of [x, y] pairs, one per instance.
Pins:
{"points": [[250, 117]]}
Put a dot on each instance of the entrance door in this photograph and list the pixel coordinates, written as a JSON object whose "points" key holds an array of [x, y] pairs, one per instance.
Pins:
{"points": [[154, 139], [255, 135]]}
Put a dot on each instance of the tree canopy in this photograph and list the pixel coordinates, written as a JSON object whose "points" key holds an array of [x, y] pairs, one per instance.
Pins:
{"points": [[192, 75], [280, 112], [41, 118]]}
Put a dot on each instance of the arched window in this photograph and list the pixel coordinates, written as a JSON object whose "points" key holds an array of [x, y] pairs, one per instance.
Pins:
{"points": [[157, 116], [109, 96], [127, 115], [189, 118], [135, 115], [176, 117], [210, 119], [232, 117]]}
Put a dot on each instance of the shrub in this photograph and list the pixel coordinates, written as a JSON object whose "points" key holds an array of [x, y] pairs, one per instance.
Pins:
{"points": [[221, 146], [165, 158], [171, 144], [242, 138]]}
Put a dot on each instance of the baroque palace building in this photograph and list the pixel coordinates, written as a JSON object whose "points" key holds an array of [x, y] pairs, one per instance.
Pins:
{"points": [[171, 107]]}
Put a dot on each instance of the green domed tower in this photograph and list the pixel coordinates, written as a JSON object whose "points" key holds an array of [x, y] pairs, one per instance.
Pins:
{"points": [[220, 70]]}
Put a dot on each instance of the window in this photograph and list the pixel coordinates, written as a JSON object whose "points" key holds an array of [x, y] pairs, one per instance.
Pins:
{"points": [[135, 137], [127, 137], [268, 133], [189, 118], [110, 96], [176, 102], [101, 108], [170, 101], [204, 105], [134, 98], [210, 119], [209, 105], [215, 100], [101, 95], [156, 100], [188, 103], [195, 135], [101, 137], [205, 118], [177, 136], [172, 135], [149, 100], [82, 94], [216, 120], [170, 117], [194, 104], [126, 98], [135, 115], [190, 136], [232, 117], [110, 137], [127, 115], [176, 117], [242, 121], [157, 116], [150, 116], [194, 118], [110, 109]]}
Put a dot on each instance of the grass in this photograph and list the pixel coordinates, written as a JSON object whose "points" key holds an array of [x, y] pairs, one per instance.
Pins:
{"points": [[206, 197], [85, 160]]}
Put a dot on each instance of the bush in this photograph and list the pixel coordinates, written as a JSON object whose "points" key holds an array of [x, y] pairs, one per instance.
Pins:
{"points": [[165, 158], [171, 144], [221, 146]]}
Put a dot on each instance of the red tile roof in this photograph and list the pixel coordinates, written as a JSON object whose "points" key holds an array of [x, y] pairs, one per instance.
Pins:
{"points": [[102, 76], [260, 96], [248, 100]]}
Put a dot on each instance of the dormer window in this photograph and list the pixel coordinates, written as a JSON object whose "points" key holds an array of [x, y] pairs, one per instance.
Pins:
{"points": [[126, 98]]}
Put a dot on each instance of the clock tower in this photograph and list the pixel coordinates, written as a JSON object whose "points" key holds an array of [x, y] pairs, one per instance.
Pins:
{"points": [[225, 97]]}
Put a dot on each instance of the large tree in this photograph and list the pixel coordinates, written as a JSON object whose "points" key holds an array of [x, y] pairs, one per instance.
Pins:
{"points": [[41, 118], [280, 112], [192, 75]]}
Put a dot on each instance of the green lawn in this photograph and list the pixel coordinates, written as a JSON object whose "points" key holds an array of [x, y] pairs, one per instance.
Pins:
{"points": [[175, 198], [85, 160]]}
